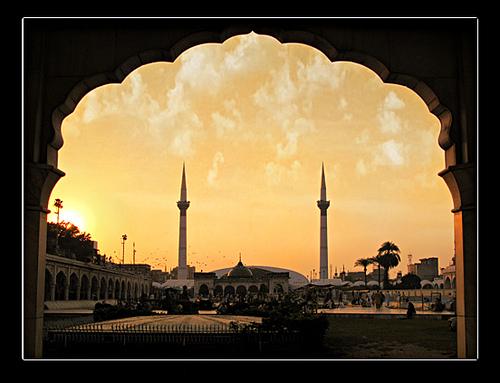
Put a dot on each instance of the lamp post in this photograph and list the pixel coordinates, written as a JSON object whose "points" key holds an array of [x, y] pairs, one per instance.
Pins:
{"points": [[124, 238]]}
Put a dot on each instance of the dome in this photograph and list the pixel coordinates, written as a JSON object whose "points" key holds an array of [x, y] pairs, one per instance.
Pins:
{"points": [[240, 271]]}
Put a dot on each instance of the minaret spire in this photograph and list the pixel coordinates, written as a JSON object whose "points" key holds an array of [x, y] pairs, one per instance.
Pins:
{"points": [[323, 183], [183, 184], [323, 205]]}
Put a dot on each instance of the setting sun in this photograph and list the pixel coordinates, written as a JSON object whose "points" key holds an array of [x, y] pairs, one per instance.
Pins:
{"points": [[72, 216]]}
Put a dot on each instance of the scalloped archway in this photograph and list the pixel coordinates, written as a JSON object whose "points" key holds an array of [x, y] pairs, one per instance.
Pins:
{"points": [[45, 139]]}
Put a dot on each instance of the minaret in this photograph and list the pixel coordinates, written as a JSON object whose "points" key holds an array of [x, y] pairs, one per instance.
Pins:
{"points": [[323, 205], [182, 204]]}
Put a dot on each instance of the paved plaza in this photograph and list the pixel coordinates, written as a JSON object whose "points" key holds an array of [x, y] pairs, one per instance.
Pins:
{"points": [[179, 321]]}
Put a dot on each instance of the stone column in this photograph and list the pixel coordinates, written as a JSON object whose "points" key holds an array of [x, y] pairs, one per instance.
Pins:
{"points": [[39, 181], [461, 180]]}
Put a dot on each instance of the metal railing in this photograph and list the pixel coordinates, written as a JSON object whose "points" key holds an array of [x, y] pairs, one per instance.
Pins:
{"points": [[121, 334]]}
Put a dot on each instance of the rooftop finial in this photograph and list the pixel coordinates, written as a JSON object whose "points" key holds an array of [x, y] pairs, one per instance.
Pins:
{"points": [[323, 183]]}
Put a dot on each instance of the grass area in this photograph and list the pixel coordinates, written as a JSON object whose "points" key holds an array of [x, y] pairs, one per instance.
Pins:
{"points": [[389, 338]]}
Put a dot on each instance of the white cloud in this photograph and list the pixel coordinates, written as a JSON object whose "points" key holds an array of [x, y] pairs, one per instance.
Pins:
{"points": [[277, 172], [393, 102], [247, 55], [392, 153], [300, 127], [200, 69], [389, 122], [223, 125], [182, 143], [321, 73], [214, 170], [92, 107]]}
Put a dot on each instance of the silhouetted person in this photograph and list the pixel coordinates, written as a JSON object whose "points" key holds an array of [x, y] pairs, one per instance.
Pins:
{"points": [[410, 311]]}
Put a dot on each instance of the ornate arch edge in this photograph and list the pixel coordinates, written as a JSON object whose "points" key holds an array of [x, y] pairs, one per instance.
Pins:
{"points": [[293, 36]]}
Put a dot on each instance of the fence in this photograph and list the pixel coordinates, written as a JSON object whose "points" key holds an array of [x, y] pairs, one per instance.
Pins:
{"points": [[184, 335]]}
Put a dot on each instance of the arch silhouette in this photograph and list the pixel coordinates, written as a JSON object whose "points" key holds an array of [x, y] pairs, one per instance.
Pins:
{"points": [[61, 284], [84, 287]]}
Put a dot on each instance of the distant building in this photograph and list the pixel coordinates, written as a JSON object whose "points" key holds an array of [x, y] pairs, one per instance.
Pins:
{"points": [[190, 272], [354, 276], [159, 276], [241, 280], [426, 269], [448, 275]]}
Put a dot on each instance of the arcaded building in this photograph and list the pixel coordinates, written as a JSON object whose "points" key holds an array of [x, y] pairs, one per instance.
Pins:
{"points": [[241, 281]]}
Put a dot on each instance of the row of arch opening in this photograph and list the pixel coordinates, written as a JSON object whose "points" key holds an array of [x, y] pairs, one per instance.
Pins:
{"points": [[90, 288], [240, 290]]}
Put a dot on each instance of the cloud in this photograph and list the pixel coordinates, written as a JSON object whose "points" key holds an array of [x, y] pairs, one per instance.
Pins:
{"points": [[389, 122], [391, 153], [181, 144], [247, 54], [214, 170], [300, 127], [223, 125], [277, 172], [321, 73], [393, 102], [200, 70], [92, 107]]}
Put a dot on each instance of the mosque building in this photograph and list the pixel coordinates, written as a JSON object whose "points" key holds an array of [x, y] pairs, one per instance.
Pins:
{"points": [[241, 279]]}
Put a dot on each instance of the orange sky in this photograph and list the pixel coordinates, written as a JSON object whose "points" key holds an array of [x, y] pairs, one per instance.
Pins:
{"points": [[253, 119]]}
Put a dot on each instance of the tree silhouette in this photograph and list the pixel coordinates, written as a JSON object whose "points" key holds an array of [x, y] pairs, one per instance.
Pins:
{"points": [[71, 242], [388, 257]]}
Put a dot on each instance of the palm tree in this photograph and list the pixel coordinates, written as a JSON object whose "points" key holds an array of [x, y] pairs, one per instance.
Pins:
{"points": [[59, 205], [388, 257], [364, 262]]}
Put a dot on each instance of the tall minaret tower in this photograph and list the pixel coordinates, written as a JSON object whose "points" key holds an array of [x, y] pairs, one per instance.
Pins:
{"points": [[323, 205], [182, 204]]}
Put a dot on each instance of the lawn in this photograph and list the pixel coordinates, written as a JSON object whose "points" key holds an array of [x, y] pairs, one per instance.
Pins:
{"points": [[354, 338]]}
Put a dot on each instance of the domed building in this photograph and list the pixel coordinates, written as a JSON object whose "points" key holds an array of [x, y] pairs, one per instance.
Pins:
{"points": [[241, 281]]}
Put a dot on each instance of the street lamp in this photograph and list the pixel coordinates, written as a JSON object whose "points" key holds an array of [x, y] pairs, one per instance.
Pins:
{"points": [[124, 238]]}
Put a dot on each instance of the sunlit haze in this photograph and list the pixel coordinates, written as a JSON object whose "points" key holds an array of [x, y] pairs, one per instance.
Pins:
{"points": [[253, 120]]}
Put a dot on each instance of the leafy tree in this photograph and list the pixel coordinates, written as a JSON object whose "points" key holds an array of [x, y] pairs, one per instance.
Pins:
{"points": [[388, 257], [67, 237], [364, 262]]}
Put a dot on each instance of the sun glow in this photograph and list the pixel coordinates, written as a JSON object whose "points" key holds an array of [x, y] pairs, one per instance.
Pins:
{"points": [[75, 217]]}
